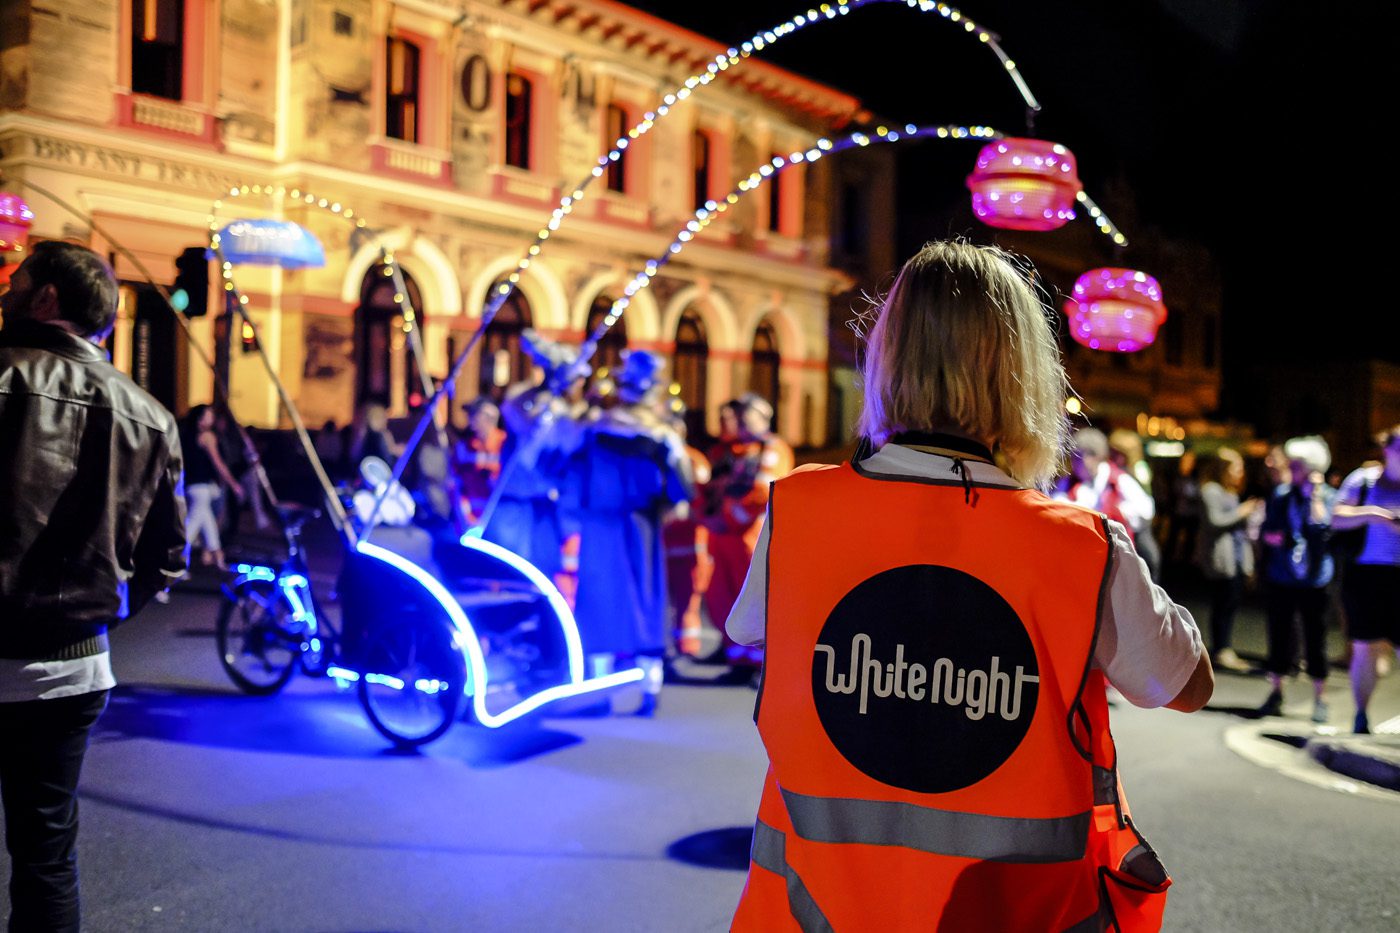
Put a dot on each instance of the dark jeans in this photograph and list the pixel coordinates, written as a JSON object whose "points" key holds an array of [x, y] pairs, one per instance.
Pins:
{"points": [[1284, 604], [42, 743], [1225, 598]]}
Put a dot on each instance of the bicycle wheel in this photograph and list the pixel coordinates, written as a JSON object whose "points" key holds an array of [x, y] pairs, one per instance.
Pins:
{"points": [[414, 680], [257, 650]]}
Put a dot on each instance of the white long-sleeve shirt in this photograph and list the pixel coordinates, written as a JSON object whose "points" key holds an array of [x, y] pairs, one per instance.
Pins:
{"points": [[1133, 501], [1148, 645]]}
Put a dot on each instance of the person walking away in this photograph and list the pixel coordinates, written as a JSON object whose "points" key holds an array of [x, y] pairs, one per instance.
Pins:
{"points": [[631, 469], [1370, 499], [1298, 568], [938, 634], [241, 457], [1223, 550], [755, 460], [91, 527], [206, 477]]}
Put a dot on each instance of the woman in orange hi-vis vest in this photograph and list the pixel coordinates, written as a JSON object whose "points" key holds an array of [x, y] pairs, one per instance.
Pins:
{"points": [[938, 636]]}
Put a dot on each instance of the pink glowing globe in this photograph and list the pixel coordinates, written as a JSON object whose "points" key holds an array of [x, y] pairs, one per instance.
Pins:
{"points": [[1024, 184], [1118, 310], [15, 220]]}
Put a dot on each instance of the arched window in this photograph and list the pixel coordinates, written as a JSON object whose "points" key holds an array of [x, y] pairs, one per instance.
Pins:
{"points": [[689, 366], [402, 59], [503, 362], [158, 48], [616, 127], [381, 344], [519, 114], [700, 159], [763, 373], [609, 353]]}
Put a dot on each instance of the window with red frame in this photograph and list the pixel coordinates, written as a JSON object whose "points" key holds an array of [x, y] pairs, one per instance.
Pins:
{"points": [[700, 158], [158, 48], [403, 61], [616, 129], [519, 113]]}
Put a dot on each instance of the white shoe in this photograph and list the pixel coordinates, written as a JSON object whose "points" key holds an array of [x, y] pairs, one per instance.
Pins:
{"points": [[1226, 659]]}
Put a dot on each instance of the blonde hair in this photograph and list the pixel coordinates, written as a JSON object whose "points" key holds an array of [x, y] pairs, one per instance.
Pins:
{"points": [[961, 341]]}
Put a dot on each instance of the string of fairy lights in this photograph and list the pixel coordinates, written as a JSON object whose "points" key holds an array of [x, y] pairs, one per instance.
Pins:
{"points": [[721, 63], [239, 302], [767, 172], [718, 65]]}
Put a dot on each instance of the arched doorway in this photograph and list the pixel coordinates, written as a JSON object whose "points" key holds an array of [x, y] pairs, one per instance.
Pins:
{"points": [[763, 372], [503, 362], [382, 354], [608, 356], [689, 366]]}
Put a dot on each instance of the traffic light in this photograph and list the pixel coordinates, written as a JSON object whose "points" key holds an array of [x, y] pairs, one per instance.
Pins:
{"points": [[249, 337], [192, 278]]}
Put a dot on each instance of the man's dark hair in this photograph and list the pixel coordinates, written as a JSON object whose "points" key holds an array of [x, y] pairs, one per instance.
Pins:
{"points": [[87, 290]]}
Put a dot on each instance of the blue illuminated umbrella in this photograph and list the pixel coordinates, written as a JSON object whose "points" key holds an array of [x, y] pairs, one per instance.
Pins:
{"points": [[271, 243]]}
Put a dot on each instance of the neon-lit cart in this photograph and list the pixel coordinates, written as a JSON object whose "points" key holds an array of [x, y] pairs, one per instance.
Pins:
{"points": [[433, 627]]}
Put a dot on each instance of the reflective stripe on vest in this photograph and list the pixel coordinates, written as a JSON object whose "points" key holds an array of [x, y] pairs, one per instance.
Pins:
{"points": [[942, 832], [770, 852]]}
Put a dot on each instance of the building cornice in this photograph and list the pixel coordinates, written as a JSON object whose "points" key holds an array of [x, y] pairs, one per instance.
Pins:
{"points": [[188, 177], [619, 27]]}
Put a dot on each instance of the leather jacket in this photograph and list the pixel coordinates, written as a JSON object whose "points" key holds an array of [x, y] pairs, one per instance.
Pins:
{"points": [[92, 509]]}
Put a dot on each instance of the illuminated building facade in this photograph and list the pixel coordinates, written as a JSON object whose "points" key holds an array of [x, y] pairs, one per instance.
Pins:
{"points": [[453, 128]]}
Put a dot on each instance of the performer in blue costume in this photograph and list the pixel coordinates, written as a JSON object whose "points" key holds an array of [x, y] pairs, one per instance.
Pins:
{"points": [[630, 469], [543, 424]]}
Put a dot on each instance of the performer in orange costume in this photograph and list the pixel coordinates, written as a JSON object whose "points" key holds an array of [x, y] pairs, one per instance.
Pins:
{"points": [[479, 456], [742, 471], [686, 541]]}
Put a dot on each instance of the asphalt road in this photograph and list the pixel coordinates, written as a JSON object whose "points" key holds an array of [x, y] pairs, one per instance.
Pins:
{"points": [[206, 810]]}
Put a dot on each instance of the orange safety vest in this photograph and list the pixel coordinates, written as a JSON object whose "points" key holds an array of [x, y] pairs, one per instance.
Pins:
{"points": [[939, 750]]}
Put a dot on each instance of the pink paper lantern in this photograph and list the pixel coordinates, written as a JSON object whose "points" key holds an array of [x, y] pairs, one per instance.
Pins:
{"points": [[1024, 184], [15, 220], [1115, 309]]}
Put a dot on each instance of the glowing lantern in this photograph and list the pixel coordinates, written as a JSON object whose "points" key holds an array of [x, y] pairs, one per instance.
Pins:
{"points": [[1024, 184], [1115, 309], [15, 221]]}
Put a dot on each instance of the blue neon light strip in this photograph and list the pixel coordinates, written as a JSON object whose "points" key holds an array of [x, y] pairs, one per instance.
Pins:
{"points": [[468, 641], [341, 673], [292, 586], [573, 644]]}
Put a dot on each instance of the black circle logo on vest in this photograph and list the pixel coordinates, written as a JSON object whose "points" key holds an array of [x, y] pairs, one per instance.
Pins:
{"points": [[925, 678]]}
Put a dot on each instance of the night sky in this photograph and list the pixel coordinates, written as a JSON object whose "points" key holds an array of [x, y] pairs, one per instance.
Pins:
{"points": [[1241, 124]]}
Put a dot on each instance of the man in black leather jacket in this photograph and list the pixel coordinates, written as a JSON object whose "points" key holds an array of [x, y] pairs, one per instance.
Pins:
{"points": [[91, 527]]}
